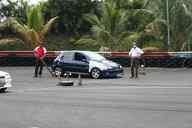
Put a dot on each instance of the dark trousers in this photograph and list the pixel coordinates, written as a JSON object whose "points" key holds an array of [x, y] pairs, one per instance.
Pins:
{"points": [[134, 67], [38, 67]]}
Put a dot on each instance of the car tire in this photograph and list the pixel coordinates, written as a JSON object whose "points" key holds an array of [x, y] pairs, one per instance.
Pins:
{"points": [[58, 72], [95, 73], [3, 90], [65, 83]]}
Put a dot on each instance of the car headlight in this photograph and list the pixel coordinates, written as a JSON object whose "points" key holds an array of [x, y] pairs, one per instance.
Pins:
{"points": [[2, 80]]}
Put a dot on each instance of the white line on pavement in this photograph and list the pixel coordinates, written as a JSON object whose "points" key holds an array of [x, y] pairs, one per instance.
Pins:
{"points": [[98, 87]]}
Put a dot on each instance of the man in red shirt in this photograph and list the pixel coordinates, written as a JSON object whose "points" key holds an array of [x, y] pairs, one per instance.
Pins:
{"points": [[39, 53]]}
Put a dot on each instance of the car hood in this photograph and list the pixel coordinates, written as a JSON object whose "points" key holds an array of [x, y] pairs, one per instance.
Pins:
{"points": [[102, 65], [109, 63]]}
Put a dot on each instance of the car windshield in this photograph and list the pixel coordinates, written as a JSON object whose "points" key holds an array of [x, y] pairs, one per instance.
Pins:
{"points": [[95, 56]]}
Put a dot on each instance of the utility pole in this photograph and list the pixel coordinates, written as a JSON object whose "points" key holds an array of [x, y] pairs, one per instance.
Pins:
{"points": [[168, 25]]}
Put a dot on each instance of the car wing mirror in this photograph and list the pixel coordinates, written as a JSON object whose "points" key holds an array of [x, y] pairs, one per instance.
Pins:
{"points": [[85, 60]]}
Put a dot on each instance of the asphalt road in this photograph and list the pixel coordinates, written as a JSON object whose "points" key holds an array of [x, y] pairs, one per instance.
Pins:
{"points": [[160, 99]]}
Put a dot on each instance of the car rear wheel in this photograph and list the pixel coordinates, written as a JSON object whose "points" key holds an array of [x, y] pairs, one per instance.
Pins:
{"points": [[3, 89], [58, 72], [95, 73]]}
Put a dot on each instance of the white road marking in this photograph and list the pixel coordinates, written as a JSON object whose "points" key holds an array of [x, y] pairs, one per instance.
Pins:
{"points": [[98, 88]]}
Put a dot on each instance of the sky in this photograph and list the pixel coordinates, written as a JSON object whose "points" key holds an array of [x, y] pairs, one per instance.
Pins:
{"points": [[30, 1], [35, 1]]}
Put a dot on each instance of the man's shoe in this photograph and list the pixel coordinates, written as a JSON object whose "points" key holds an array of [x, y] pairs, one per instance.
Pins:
{"points": [[131, 77], [35, 76]]}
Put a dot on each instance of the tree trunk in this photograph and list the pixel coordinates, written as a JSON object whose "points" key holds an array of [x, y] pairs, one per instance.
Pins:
{"points": [[179, 41]]}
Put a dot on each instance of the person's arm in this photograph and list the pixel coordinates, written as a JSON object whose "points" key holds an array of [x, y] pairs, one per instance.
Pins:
{"points": [[141, 51], [35, 52], [130, 52], [45, 50]]}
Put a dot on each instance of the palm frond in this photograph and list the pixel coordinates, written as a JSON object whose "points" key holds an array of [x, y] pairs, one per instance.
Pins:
{"points": [[19, 29], [35, 18], [147, 3], [48, 25], [93, 19], [86, 41], [123, 35], [34, 37]]}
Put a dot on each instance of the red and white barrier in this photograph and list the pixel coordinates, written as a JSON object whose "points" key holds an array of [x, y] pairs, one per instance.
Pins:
{"points": [[52, 54]]}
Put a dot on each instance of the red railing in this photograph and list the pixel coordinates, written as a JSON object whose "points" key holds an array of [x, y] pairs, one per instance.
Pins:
{"points": [[145, 55], [52, 54], [23, 54]]}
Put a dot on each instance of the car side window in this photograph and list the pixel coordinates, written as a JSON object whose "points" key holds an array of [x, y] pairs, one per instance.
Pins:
{"points": [[79, 57]]}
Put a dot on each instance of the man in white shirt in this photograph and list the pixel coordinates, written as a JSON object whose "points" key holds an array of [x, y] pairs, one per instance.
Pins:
{"points": [[135, 54]]}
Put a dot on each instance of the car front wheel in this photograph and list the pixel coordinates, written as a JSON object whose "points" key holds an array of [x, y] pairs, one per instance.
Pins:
{"points": [[95, 73]]}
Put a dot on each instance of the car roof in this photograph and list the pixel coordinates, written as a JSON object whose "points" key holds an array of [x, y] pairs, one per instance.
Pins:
{"points": [[74, 51], [69, 54]]}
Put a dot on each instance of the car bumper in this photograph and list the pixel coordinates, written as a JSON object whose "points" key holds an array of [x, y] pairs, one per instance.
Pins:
{"points": [[111, 72], [5, 83]]}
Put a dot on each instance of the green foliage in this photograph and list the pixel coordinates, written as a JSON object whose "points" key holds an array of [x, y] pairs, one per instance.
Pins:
{"points": [[34, 30], [70, 13], [153, 43], [109, 23], [127, 42], [35, 18], [87, 43], [59, 42], [108, 28], [16, 8], [178, 10], [13, 45]]}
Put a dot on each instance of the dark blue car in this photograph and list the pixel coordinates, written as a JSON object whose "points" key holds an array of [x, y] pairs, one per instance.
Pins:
{"points": [[85, 62]]}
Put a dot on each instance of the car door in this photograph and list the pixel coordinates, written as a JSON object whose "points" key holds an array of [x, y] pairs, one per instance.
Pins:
{"points": [[80, 63], [66, 62]]}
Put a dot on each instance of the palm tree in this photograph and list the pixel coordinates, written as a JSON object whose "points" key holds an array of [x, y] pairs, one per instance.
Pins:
{"points": [[34, 30], [181, 30], [178, 10], [109, 29]]}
